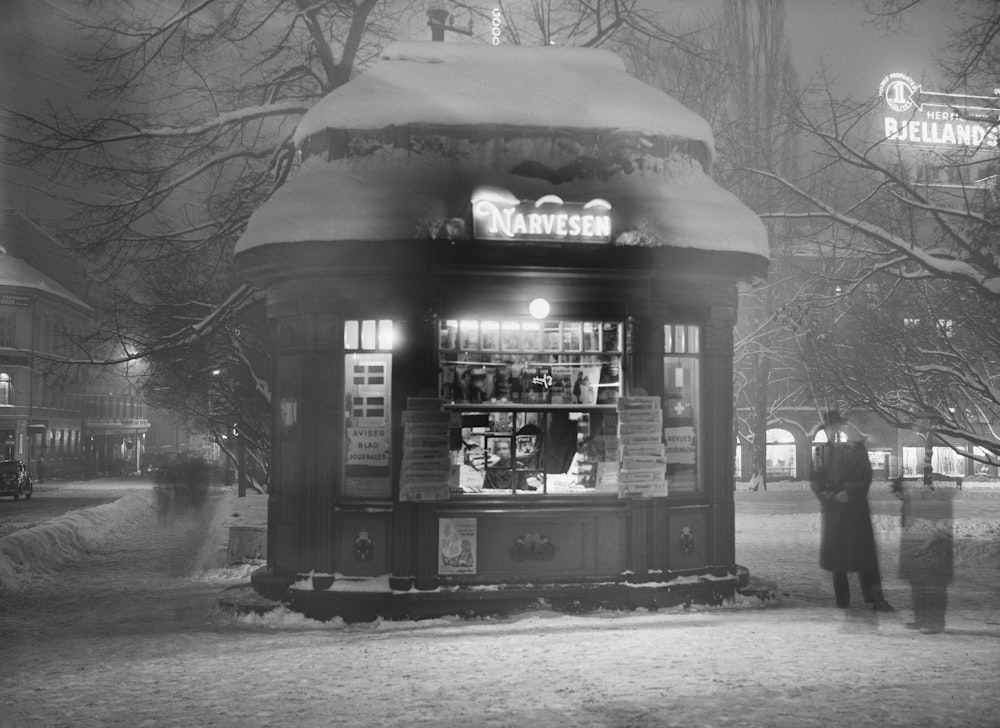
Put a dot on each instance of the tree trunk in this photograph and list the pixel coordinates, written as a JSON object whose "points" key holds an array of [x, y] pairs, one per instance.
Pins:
{"points": [[758, 458], [928, 468]]}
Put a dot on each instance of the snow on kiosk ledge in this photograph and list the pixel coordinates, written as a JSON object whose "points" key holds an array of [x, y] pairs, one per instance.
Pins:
{"points": [[380, 201], [380, 584]]}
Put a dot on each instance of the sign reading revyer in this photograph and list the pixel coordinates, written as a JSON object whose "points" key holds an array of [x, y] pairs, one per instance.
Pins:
{"points": [[498, 215]]}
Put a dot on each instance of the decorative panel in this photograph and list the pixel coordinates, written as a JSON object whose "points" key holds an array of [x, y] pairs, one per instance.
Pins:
{"points": [[362, 543], [688, 540], [568, 545]]}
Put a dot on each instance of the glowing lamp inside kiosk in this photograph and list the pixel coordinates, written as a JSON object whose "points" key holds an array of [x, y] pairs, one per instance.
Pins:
{"points": [[539, 308]]}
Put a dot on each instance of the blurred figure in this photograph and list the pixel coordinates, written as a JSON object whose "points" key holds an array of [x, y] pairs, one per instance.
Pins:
{"points": [[840, 477], [181, 487], [926, 554]]}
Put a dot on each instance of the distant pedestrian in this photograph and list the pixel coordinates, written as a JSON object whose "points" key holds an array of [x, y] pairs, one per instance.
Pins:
{"points": [[841, 477], [926, 554]]}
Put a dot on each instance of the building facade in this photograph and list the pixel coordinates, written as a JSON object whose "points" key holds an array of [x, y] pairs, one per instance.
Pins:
{"points": [[63, 421]]}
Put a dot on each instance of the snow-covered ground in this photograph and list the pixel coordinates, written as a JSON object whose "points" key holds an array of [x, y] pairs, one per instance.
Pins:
{"points": [[126, 631]]}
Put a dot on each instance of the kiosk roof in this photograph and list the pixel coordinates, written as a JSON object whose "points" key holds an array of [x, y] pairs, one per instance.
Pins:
{"points": [[397, 193], [462, 84]]}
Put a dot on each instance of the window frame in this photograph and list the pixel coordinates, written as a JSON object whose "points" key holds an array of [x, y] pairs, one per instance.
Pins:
{"points": [[682, 342]]}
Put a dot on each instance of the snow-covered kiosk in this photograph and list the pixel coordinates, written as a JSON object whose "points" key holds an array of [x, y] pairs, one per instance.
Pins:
{"points": [[502, 286]]}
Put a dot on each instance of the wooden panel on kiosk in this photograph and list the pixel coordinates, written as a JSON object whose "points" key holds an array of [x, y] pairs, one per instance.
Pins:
{"points": [[362, 543], [688, 539], [530, 545]]}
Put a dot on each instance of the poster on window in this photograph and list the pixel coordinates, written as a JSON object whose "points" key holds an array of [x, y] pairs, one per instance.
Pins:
{"points": [[368, 440], [457, 546], [368, 446], [680, 449]]}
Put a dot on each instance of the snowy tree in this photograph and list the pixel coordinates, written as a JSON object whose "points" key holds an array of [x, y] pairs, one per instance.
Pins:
{"points": [[900, 314], [741, 54]]}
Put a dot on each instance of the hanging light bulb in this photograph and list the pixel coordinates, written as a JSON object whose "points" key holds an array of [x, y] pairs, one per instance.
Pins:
{"points": [[539, 308]]}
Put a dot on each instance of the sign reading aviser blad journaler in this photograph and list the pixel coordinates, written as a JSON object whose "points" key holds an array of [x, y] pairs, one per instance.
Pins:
{"points": [[499, 215], [938, 119]]}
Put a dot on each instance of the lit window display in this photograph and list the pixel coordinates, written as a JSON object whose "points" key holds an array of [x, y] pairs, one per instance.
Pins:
{"points": [[549, 362], [532, 403]]}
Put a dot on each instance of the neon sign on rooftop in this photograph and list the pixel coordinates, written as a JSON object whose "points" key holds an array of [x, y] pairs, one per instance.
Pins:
{"points": [[934, 118]]}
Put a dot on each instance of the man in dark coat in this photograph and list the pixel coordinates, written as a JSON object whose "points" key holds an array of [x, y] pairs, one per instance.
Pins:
{"points": [[840, 478]]}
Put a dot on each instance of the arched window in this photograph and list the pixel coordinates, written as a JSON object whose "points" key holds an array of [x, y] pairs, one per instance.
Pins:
{"points": [[780, 453], [6, 390], [821, 437]]}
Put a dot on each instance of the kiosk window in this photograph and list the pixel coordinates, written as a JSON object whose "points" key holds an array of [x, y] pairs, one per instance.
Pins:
{"points": [[368, 335], [533, 452], [547, 390], [681, 397], [367, 408], [550, 362]]}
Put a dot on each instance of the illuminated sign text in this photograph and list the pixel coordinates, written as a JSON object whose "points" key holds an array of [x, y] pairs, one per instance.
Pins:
{"points": [[938, 118], [498, 215]]}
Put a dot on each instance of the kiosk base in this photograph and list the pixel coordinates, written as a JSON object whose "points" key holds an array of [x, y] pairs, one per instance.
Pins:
{"points": [[360, 601]]}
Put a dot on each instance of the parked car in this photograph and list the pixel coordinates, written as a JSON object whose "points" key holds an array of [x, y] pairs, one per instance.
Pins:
{"points": [[14, 479]]}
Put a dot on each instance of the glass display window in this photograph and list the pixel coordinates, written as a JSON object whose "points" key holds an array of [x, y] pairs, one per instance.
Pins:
{"points": [[681, 405], [367, 408], [532, 402], [521, 361], [516, 452]]}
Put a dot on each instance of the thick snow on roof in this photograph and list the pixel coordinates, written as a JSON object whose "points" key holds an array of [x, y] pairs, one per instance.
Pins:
{"points": [[393, 200], [462, 84], [15, 272]]}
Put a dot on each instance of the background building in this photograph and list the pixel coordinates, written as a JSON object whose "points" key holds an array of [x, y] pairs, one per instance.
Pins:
{"points": [[791, 404], [63, 420]]}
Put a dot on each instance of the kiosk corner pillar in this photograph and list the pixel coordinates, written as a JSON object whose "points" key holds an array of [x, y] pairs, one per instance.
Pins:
{"points": [[307, 440], [720, 446]]}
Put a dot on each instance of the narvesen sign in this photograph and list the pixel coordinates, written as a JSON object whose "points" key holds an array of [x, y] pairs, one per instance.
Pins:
{"points": [[498, 215], [936, 118]]}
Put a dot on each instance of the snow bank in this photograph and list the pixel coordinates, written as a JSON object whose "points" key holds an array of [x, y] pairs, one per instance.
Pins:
{"points": [[68, 537]]}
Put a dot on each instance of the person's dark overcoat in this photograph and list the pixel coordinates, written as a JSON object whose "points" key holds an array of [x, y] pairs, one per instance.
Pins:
{"points": [[926, 539], [847, 541]]}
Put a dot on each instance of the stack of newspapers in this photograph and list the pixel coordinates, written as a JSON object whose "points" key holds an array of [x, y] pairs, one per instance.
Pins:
{"points": [[642, 465], [424, 471]]}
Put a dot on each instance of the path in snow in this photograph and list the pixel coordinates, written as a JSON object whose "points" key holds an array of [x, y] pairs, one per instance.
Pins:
{"points": [[129, 637]]}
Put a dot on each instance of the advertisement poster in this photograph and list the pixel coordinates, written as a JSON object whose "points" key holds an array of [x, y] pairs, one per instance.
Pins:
{"points": [[367, 446], [457, 546], [680, 445]]}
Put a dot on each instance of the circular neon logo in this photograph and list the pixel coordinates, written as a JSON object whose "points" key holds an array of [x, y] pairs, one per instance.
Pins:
{"points": [[898, 89]]}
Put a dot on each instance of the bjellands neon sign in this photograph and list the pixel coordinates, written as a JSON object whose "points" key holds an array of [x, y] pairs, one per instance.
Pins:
{"points": [[944, 118], [498, 215]]}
